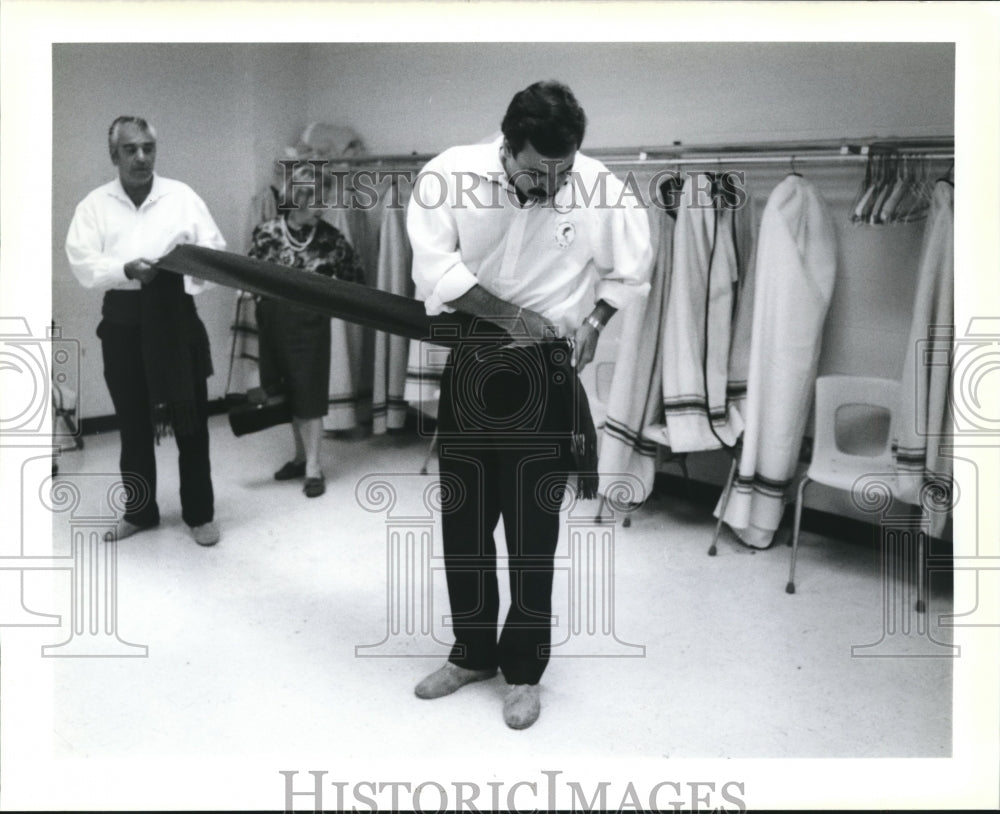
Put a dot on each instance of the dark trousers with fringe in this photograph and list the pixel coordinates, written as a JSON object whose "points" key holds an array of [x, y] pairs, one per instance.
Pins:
{"points": [[125, 375], [504, 453]]}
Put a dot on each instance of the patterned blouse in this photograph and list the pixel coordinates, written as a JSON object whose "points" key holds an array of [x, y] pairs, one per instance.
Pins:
{"points": [[328, 253]]}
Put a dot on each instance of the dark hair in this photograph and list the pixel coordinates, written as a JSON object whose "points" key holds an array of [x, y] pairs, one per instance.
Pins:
{"points": [[548, 115], [116, 127]]}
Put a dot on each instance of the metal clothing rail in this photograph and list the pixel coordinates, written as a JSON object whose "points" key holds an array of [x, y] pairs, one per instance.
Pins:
{"points": [[832, 152]]}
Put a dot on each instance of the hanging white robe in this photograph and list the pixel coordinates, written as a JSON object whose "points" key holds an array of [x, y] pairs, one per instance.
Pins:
{"points": [[634, 399], [795, 269], [742, 329], [923, 421], [699, 400], [344, 404], [392, 352]]}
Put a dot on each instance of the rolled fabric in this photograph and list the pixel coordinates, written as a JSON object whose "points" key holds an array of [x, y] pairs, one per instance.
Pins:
{"points": [[381, 310], [336, 298]]}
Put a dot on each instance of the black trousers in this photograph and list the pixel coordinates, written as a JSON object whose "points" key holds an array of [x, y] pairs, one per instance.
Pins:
{"points": [[503, 427], [124, 373]]}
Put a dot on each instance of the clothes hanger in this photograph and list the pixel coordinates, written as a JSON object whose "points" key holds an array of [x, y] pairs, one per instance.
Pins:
{"points": [[670, 194], [793, 170], [726, 190], [867, 188], [921, 191], [888, 211], [878, 181], [906, 195], [875, 217]]}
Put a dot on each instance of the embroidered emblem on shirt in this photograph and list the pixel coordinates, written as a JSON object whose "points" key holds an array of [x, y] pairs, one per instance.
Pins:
{"points": [[565, 234]]}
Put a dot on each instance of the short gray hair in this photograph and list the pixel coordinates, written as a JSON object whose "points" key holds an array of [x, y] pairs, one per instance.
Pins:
{"points": [[115, 130]]}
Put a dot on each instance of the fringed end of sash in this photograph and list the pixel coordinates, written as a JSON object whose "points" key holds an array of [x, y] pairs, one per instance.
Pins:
{"points": [[180, 418], [585, 462]]}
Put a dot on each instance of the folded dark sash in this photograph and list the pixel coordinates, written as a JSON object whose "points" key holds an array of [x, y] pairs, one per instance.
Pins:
{"points": [[376, 309], [352, 302], [176, 354]]}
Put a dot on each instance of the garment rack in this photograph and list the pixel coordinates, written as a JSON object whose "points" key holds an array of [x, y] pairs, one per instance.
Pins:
{"points": [[788, 152]]}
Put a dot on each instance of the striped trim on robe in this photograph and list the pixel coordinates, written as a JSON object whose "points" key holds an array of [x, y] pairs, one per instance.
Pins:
{"points": [[923, 423], [701, 393], [795, 271], [634, 400]]}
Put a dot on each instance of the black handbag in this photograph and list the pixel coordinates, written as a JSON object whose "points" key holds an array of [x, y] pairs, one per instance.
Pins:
{"points": [[259, 411]]}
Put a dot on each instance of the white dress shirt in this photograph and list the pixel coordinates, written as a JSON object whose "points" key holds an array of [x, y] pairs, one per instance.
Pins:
{"points": [[558, 258], [108, 231]]}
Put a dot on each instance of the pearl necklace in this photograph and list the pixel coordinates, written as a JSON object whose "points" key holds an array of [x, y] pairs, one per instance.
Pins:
{"points": [[295, 244]]}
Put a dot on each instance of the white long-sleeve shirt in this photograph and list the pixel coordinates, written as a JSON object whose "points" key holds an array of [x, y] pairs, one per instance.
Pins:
{"points": [[558, 259], [108, 231]]}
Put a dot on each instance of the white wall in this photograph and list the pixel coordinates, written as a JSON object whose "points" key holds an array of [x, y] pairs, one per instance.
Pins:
{"points": [[422, 97]]}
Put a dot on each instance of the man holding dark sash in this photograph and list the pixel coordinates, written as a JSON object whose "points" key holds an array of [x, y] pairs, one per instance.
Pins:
{"points": [[501, 232], [154, 345]]}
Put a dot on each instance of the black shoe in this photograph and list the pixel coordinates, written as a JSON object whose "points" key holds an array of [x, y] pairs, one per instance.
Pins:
{"points": [[314, 487], [291, 470]]}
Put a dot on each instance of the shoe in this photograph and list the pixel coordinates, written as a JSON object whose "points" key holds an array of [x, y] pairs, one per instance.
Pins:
{"points": [[291, 470], [314, 487], [449, 678], [206, 534], [125, 528], [521, 706]]}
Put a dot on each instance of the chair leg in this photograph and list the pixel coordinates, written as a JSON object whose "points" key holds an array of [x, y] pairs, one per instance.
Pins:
{"points": [[790, 587], [921, 570], [599, 517], [713, 549]]}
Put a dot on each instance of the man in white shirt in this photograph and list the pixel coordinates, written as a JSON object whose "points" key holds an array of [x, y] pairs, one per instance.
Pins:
{"points": [[529, 234], [154, 345]]}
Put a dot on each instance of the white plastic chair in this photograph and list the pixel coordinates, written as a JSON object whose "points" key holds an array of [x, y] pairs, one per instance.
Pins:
{"points": [[852, 440]]}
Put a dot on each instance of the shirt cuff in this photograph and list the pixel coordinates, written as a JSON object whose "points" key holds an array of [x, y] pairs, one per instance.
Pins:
{"points": [[194, 286], [456, 281], [620, 295]]}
